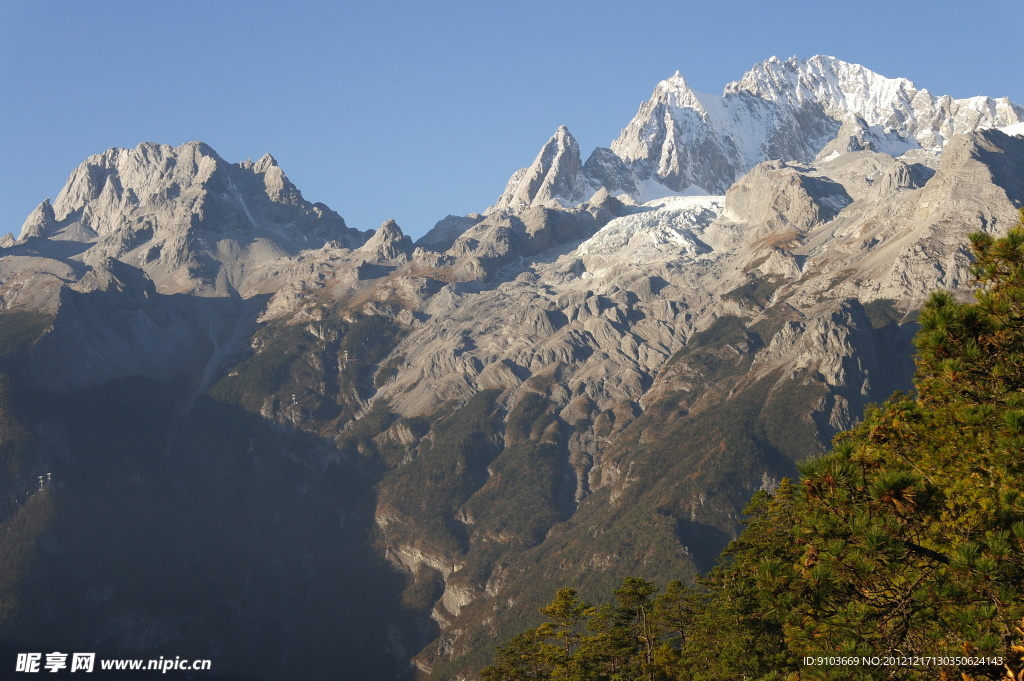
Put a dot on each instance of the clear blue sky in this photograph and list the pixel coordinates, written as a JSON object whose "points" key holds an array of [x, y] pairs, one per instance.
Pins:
{"points": [[414, 110]]}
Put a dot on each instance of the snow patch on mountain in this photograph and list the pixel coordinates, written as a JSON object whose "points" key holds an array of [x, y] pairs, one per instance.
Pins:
{"points": [[1016, 130], [669, 226]]}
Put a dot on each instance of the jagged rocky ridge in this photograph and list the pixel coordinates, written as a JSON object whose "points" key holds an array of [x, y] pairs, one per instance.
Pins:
{"points": [[191, 221], [406, 447], [682, 141]]}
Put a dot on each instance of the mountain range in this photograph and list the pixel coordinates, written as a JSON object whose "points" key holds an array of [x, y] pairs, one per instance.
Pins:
{"points": [[235, 428]]}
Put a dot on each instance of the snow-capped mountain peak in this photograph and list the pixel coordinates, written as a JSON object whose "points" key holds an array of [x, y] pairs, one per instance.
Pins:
{"points": [[675, 92], [789, 110], [841, 87]]}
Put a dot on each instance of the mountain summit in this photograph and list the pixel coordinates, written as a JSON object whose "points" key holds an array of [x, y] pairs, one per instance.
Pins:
{"points": [[681, 141], [179, 213], [555, 175]]}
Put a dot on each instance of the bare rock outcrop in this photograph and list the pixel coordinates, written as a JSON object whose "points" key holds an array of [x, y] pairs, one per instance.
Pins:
{"points": [[188, 218]]}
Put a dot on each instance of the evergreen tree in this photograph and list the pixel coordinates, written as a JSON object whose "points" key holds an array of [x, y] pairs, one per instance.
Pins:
{"points": [[737, 631], [913, 528], [518, 660]]}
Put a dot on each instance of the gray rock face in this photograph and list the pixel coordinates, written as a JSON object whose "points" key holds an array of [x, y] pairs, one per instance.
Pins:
{"points": [[555, 176], [779, 196], [855, 135], [606, 169], [443, 234], [40, 222], [190, 220], [507, 237], [388, 243]]}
